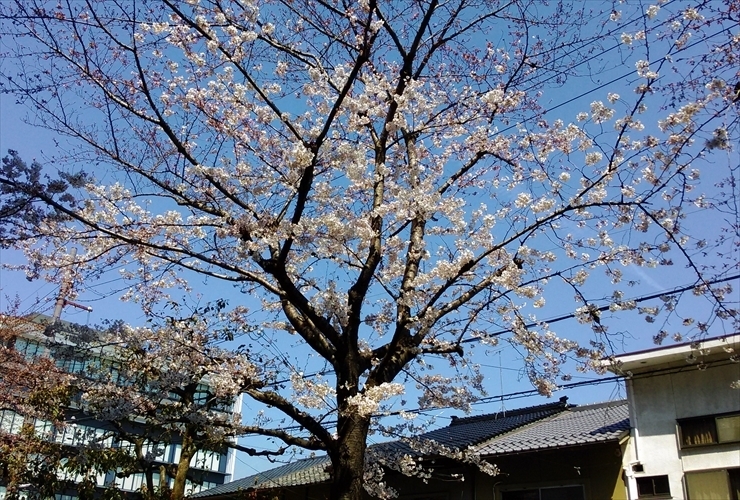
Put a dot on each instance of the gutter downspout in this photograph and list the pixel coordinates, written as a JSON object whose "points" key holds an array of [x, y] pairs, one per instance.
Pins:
{"points": [[633, 442]]}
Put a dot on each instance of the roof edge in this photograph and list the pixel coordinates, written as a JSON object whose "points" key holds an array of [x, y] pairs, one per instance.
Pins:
{"points": [[562, 403]]}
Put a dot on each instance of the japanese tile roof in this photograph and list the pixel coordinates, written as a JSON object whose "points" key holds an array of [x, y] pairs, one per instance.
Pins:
{"points": [[461, 433], [541, 427], [469, 431], [299, 473], [575, 426]]}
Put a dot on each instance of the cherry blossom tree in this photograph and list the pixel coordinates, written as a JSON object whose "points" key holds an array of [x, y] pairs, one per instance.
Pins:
{"points": [[159, 385], [146, 389], [386, 180], [29, 388]]}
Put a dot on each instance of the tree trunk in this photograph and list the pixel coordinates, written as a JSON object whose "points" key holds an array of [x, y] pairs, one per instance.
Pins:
{"points": [[348, 459], [183, 465]]}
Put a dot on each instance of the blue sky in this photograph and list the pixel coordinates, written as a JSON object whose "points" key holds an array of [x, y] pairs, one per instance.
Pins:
{"points": [[502, 365]]}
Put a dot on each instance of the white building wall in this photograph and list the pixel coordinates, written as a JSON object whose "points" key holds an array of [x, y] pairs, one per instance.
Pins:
{"points": [[231, 452], [657, 402]]}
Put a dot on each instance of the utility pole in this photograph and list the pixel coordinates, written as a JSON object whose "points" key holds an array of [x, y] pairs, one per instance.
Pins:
{"points": [[62, 301]]}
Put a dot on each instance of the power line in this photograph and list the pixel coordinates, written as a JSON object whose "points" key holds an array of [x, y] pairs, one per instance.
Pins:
{"points": [[557, 319], [488, 399], [606, 308], [531, 392]]}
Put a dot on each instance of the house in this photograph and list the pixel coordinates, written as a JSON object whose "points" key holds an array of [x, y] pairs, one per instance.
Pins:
{"points": [[685, 415], [32, 338], [544, 452], [575, 455]]}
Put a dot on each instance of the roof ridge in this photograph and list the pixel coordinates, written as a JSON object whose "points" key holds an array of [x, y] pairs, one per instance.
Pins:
{"points": [[596, 406], [562, 404]]}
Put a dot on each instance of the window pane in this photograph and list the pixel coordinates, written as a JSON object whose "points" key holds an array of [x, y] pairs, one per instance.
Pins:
{"points": [[562, 493], [653, 486], [698, 432], [707, 485], [10, 422], [728, 429], [734, 483], [43, 429]]}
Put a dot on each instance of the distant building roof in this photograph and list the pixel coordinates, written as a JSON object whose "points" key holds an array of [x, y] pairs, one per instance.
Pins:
{"points": [[299, 473], [574, 426]]}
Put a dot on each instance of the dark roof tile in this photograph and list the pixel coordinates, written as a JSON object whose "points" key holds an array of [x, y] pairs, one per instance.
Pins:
{"points": [[579, 425], [301, 472], [469, 431]]}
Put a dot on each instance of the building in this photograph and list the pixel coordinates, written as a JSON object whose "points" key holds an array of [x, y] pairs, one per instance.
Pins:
{"points": [[685, 414], [545, 452], [575, 455], [207, 468]]}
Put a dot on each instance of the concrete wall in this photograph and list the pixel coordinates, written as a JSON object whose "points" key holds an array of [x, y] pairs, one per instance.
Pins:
{"points": [[657, 401]]}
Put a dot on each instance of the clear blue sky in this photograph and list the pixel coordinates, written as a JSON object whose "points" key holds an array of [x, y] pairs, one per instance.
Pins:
{"points": [[502, 366]]}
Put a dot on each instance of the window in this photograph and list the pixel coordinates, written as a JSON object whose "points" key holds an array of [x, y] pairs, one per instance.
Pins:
{"points": [[570, 492], [43, 428], [73, 434], [135, 481], [713, 485], [132, 482], [653, 487], [714, 429], [207, 460], [29, 348], [10, 422], [192, 488]]}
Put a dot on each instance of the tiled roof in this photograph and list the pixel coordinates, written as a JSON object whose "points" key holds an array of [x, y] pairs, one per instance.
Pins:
{"points": [[579, 425], [298, 473], [469, 431], [461, 433]]}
